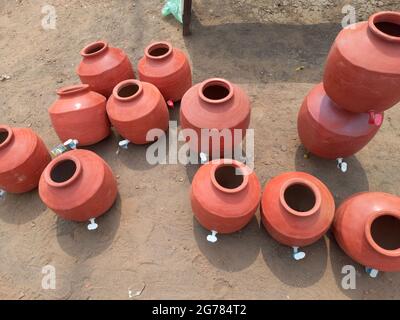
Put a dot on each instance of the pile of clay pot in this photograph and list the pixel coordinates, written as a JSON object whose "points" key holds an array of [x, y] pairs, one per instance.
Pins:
{"points": [[297, 209]]}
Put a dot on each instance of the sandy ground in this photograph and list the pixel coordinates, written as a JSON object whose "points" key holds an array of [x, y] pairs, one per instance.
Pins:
{"points": [[149, 238]]}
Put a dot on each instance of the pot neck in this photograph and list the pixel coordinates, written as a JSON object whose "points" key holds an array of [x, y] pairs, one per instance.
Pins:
{"points": [[6, 136], [216, 91], [58, 176], [300, 197], [158, 51], [94, 50], [385, 26], [73, 90], [128, 90], [229, 176]]}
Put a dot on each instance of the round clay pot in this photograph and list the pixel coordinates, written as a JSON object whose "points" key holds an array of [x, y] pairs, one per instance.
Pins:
{"points": [[297, 209], [80, 114], [103, 67], [23, 157], [217, 105], [367, 228], [135, 108], [329, 131], [362, 73], [78, 185], [167, 68], [222, 200]]}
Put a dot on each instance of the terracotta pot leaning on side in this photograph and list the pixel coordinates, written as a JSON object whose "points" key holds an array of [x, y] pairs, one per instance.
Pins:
{"points": [[367, 228], [103, 67], [297, 209], [23, 157], [218, 105], [167, 68], [78, 185], [362, 73], [135, 108], [224, 201], [80, 114], [329, 131]]}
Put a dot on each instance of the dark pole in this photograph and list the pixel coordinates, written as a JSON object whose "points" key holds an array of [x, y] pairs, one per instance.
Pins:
{"points": [[187, 17]]}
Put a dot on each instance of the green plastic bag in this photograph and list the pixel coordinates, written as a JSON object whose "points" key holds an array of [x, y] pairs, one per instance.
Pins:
{"points": [[173, 7]]}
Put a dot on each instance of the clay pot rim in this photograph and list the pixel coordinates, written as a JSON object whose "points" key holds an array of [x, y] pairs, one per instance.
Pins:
{"points": [[8, 129], [104, 46], [69, 90], [124, 84], [370, 239], [156, 45], [215, 81], [309, 184], [384, 16], [55, 162], [230, 163]]}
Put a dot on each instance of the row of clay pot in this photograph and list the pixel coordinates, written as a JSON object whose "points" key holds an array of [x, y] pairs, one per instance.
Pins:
{"points": [[297, 209], [361, 80]]}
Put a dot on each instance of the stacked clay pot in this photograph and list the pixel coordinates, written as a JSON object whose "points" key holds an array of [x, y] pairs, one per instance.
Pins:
{"points": [[297, 209], [361, 81], [367, 228], [80, 114], [225, 195], [218, 105], [135, 108], [78, 185], [167, 68], [103, 67], [23, 157]]}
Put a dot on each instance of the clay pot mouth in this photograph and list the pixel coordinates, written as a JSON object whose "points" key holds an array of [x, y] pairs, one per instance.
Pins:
{"points": [[128, 90], [386, 25], [383, 233], [158, 50], [300, 197], [94, 48], [72, 89], [226, 179], [6, 135], [216, 91], [63, 171]]}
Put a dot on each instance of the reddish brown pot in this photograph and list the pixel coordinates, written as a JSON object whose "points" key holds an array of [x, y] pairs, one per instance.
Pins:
{"points": [[80, 114], [103, 67], [78, 185], [167, 68], [221, 200], [297, 209], [136, 107], [331, 132], [215, 104], [23, 157], [367, 228], [362, 73]]}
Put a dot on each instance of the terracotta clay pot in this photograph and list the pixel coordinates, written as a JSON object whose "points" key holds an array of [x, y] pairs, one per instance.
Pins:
{"points": [[329, 131], [215, 104], [78, 185], [103, 67], [222, 200], [23, 157], [80, 114], [362, 73], [297, 209], [167, 68], [136, 107], [367, 228]]}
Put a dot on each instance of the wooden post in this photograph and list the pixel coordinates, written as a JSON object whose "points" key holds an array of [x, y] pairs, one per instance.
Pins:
{"points": [[187, 17]]}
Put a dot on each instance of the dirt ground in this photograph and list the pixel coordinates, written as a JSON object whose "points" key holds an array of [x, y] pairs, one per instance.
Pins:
{"points": [[149, 239]]}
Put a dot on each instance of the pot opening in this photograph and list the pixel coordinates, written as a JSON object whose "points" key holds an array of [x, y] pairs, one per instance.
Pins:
{"points": [[63, 171], [128, 90], [300, 197], [227, 178], [3, 135], [389, 28], [385, 231], [216, 91], [159, 50], [95, 47]]}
